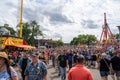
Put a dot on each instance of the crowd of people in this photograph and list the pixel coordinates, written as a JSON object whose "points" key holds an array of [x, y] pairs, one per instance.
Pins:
{"points": [[33, 64], [107, 62]]}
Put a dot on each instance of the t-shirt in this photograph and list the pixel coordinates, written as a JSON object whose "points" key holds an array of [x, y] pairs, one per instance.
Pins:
{"points": [[70, 57], [37, 72], [5, 76], [79, 72], [24, 64], [104, 64], [94, 57], [89, 56], [62, 59], [115, 63]]}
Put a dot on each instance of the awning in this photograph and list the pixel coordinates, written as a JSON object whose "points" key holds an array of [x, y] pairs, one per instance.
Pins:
{"points": [[24, 46], [8, 42]]}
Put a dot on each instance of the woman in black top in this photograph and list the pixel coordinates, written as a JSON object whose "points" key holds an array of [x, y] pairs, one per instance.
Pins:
{"points": [[103, 66]]}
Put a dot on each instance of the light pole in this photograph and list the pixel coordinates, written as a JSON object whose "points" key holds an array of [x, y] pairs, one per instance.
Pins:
{"points": [[119, 37]]}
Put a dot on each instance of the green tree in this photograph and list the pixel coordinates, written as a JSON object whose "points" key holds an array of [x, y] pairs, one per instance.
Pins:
{"points": [[35, 31], [6, 26], [26, 31], [116, 36], [84, 39], [60, 42], [74, 41], [30, 30], [91, 40]]}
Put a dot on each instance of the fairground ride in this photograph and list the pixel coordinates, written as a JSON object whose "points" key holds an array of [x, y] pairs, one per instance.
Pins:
{"points": [[107, 38]]}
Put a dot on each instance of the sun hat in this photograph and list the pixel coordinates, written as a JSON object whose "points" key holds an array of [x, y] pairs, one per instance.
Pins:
{"points": [[4, 55]]}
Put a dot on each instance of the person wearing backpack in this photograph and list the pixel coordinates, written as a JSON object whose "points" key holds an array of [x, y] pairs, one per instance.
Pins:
{"points": [[36, 70], [104, 66], [7, 72]]}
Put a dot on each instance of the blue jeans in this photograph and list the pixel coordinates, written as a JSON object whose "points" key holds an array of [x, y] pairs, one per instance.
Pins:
{"points": [[59, 69], [63, 73], [53, 62]]}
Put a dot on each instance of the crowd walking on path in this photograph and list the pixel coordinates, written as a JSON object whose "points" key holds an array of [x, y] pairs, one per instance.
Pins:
{"points": [[33, 64]]}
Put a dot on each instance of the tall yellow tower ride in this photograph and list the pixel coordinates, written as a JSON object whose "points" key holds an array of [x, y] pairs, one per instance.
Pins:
{"points": [[21, 12]]}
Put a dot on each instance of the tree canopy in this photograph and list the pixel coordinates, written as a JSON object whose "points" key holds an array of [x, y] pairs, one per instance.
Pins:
{"points": [[30, 31], [60, 42], [84, 39], [10, 29]]}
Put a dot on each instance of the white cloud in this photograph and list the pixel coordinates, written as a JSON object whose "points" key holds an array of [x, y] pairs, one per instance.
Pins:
{"points": [[64, 18]]}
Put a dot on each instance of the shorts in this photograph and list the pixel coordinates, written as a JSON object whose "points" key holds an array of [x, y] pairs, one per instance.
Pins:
{"points": [[117, 73], [94, 62], [104, 73]]}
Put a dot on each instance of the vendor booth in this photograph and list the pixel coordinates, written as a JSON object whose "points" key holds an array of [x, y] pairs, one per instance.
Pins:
{"points": [[10, 41]]}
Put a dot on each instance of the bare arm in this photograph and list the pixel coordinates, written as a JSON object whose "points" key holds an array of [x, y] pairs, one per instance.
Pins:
{"points": [[57, 61], [111, 68], [26, 77], [46, 77], [19, 68], [15, 76], [67, 63], [98, 66]]}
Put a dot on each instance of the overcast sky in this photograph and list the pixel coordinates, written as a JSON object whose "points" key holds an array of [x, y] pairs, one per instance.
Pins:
{"points": [[63, 18]]}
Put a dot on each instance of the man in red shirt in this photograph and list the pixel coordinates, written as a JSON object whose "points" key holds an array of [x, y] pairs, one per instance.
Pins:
{"points": [[80, 72]]}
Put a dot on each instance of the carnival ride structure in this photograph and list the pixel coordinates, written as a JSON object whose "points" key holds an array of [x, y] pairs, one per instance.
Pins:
{"points": [[107, 38]]}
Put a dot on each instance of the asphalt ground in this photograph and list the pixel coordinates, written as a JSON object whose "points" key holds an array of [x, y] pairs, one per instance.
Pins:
{"points": [[53, 73]]}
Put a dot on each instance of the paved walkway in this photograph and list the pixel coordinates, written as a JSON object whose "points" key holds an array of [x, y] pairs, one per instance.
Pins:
{"points": [[53, 74]]}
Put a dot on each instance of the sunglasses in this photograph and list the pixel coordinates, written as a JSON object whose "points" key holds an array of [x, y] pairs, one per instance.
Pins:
{"points": [[1, 58]]}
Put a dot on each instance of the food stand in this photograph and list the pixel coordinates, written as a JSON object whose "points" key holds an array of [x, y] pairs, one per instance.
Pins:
{"points": [[14, 42]]}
